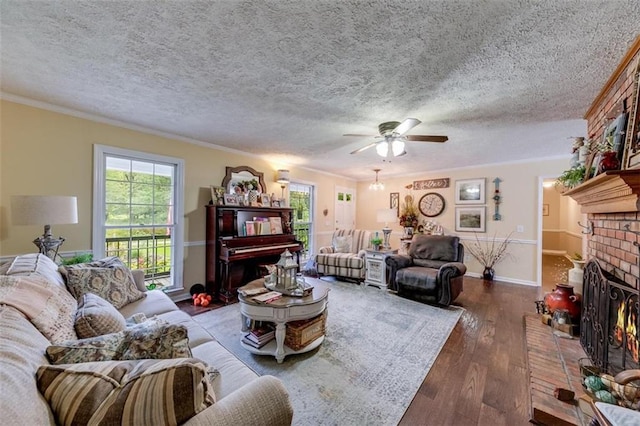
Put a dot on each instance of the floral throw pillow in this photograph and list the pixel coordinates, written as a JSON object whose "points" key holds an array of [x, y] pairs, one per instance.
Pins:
{"points": [[152, 392], [152, 339], [115, 285]]}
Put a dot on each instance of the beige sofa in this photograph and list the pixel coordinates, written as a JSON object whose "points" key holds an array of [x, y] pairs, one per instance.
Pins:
{"points": [[242, 397]]}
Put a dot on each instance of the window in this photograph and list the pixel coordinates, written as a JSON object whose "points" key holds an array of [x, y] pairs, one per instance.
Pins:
{"points": [[301, 200], [138, 213]]}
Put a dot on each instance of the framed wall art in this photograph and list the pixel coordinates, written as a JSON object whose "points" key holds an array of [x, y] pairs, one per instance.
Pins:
{"points": [[394, 202], [470, 191], [545, 210], [470, 219]]}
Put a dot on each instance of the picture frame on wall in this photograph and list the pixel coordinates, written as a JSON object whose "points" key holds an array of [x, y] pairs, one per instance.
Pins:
{"points": [[231, 200], [217, 195], [470, 191], [471, 219], [545, 210], [394, 202]]}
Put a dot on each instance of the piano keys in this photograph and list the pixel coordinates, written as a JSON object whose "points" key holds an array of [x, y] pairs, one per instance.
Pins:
{"points": [[233, 260]]}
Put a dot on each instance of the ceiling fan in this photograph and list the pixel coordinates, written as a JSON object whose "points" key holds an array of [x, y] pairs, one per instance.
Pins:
{"points": [[392, 138]]}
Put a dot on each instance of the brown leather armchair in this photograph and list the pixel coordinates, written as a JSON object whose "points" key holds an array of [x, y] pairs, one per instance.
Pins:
{"points": [[432, 271]]}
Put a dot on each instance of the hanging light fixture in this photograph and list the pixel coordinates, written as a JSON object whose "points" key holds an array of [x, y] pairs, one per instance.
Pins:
{"points": [[391, 149], [376, 186]]}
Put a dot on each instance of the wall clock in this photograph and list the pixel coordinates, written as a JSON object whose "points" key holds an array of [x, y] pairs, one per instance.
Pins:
{"points": [[431, 204]]}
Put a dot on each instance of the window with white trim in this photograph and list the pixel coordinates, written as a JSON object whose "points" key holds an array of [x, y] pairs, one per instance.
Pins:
{"points": [[138, 211]]}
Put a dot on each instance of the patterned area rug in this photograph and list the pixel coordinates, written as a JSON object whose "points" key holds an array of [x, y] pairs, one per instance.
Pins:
{"points": [[378, 349]]}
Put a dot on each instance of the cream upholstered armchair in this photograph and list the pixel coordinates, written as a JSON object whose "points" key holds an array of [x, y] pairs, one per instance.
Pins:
{"points": [[345, 257]]}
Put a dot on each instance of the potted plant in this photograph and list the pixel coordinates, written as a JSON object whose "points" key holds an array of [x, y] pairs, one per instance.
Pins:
{"points": [[489, 253], [376, 242], [409, 215]]}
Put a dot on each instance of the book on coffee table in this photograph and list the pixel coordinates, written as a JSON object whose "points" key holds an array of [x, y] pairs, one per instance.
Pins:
{"points": [[268, 297]]}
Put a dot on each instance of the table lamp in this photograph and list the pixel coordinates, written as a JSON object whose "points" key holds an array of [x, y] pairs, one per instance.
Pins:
{"points": [[44, 210], [282, 177], [385, 216]]}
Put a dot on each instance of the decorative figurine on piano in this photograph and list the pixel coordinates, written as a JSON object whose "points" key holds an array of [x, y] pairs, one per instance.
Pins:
{"points": [[284, 278]]}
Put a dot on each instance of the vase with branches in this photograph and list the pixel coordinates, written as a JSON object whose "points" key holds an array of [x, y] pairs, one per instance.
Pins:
{"points": [[489, 253]]}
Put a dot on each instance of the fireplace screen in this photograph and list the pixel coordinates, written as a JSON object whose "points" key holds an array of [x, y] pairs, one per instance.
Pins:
{"points": [[610, 321]]}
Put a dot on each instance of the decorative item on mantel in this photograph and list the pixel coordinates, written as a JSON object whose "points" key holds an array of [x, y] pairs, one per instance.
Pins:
{"points": [[497, 198], [489, 254]]}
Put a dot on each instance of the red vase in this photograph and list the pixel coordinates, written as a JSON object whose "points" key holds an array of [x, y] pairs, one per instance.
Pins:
{"points": [[562, 297], [609, 161]]}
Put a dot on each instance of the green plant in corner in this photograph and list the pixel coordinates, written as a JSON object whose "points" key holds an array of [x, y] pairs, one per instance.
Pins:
{"points": [[376, 240]]}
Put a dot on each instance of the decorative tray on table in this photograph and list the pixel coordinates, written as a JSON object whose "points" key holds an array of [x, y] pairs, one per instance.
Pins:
{"points": [[303, 289]]}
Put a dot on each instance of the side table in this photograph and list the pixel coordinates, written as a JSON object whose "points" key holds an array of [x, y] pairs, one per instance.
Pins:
{"points": [[376, 267]]}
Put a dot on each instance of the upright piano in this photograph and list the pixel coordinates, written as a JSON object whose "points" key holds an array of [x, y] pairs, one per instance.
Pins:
{"points": [[234, 255]]}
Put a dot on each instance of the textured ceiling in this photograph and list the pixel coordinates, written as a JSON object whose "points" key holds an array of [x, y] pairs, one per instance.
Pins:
{"points": [[505, 80]]}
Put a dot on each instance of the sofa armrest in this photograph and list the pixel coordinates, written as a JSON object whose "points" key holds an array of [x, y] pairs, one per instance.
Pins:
{"points": [[452, 269], [138, 277], [326, 250], [447, 273], [395, 262], [263, 401]]}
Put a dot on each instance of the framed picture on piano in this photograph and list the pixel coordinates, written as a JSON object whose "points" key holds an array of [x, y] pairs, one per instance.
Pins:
{"points": [[231, 200]]}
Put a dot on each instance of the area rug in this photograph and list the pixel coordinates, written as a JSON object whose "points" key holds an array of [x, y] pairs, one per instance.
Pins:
{"points": [[378, 349]]}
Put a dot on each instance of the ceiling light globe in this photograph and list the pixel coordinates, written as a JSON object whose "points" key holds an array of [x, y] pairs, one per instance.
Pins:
{"points": [[397, 146], [382, 149]]}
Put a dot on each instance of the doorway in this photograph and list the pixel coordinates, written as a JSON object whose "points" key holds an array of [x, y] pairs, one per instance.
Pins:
{"points": [[561, 235]]}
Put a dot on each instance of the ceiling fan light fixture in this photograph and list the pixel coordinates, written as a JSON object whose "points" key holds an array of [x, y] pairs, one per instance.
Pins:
{"points": [[397, 147], [382, 149]]}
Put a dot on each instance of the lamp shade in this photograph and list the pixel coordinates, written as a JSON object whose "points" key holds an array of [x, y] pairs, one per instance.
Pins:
{"points": [[43, 210], [282, 176], [386, 215]]}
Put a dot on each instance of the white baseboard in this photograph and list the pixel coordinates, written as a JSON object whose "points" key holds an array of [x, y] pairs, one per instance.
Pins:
{"points": [[504, 279], [555, 252]]}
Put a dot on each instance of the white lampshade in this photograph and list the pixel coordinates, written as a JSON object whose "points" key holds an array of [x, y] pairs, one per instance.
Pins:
{"points": [[386, 215], [282, 176], [43, 210]]}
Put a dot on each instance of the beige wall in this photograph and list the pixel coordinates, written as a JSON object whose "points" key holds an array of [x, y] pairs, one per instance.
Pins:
{"points": [[520, 191], [49, 153]]}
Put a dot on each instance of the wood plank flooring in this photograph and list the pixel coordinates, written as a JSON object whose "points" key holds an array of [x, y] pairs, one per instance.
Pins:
{"points": [[480, 377]]}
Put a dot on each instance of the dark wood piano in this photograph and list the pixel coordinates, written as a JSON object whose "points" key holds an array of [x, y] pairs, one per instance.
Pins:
{"points": [[234, 258]]}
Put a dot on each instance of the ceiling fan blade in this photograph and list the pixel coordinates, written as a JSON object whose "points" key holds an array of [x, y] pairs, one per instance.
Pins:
{"points": [[406, 125], [426, 138], [371, 145]]}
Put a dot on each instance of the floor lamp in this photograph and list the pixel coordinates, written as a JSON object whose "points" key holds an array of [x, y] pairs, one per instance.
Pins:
{"points": [[44, 210], [385, 216]]}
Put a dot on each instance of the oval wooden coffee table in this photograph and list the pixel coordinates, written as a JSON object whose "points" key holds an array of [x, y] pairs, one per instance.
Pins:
{"points": [[280, 312]]}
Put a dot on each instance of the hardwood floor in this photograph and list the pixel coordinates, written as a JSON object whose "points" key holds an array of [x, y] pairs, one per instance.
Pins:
{"points": [[480, 377]]}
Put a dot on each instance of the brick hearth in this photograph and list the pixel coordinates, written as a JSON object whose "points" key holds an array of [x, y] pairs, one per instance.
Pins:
{"points": [[553, 363]]}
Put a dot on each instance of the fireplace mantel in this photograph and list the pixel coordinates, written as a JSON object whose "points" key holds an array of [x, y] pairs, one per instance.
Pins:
{"points": [[609, 192]]}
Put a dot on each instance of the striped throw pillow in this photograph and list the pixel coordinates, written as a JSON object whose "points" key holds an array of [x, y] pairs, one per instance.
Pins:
{"points": [[152, 392]]}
